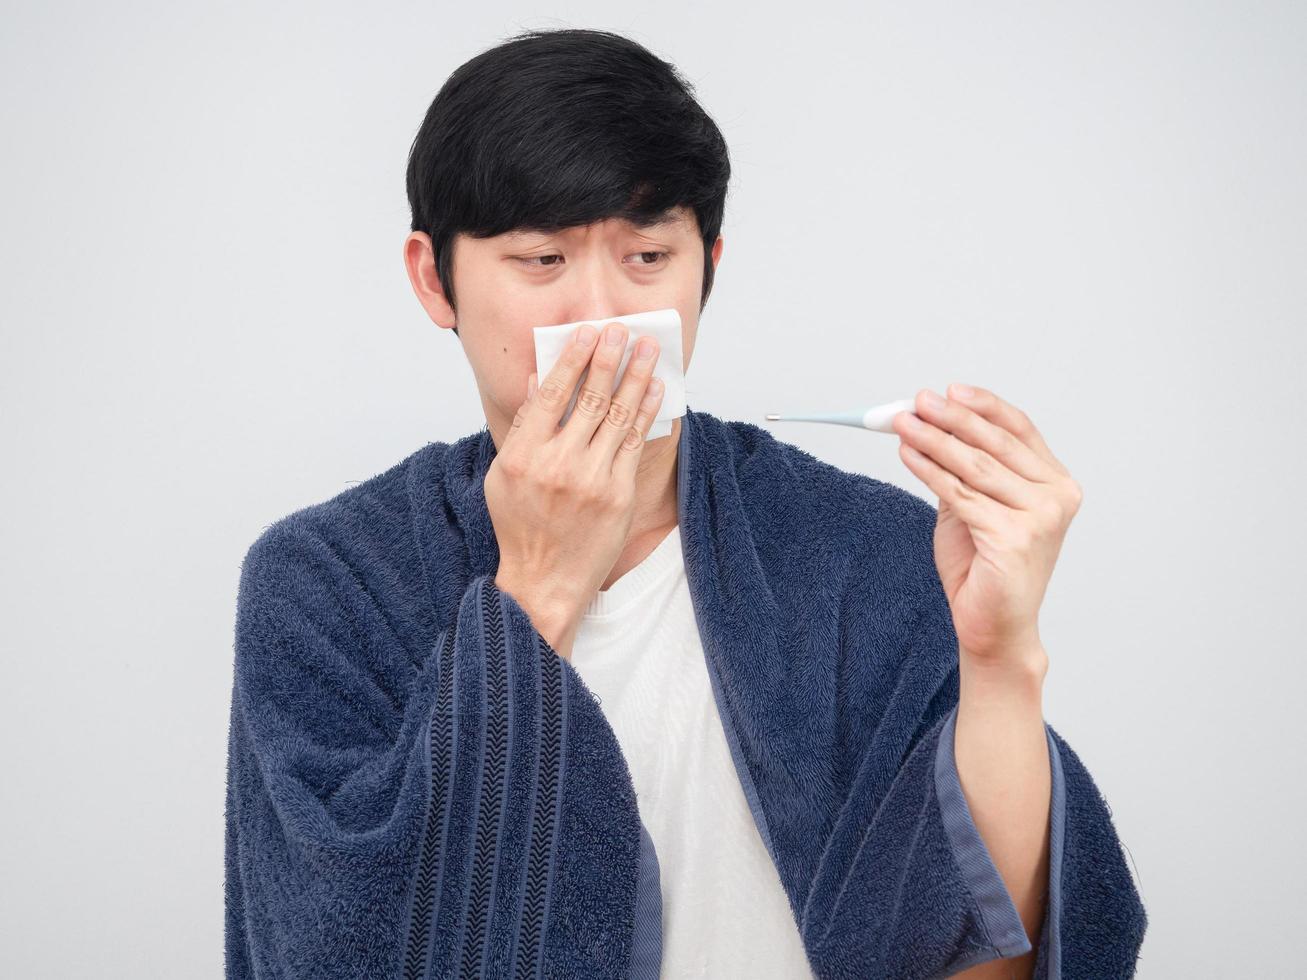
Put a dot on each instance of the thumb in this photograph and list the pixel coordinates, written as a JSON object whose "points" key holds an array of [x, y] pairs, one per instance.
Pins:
{"points": [[531, 386]]}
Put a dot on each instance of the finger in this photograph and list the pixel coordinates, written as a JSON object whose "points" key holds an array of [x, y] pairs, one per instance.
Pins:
{"points": [[973, 466], [977, 510], [979, 433], [629, 450], [625, 403], [596, 388], [1009, 417], [539, 417], [531, 385]]}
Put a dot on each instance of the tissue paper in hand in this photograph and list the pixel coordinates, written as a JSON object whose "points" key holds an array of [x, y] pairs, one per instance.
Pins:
{"points": [[663, 325]]}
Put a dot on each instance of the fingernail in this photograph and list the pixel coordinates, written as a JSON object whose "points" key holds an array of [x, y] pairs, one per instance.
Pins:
{"points": [[614, 334], [644, 349], [933, 400], [585, 334], [963, 392]]}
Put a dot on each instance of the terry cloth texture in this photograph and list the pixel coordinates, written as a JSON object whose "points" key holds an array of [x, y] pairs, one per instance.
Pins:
{"points": [[420, 787]]}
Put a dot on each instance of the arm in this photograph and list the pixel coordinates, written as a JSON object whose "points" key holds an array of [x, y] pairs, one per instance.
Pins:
{"points": [[1006, 502], [915, 892], [462, 809], [909, 888], [1002, 758]]}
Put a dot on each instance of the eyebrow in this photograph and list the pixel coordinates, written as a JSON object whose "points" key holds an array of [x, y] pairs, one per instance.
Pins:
{"points": [[666, 218], [660, 221]]}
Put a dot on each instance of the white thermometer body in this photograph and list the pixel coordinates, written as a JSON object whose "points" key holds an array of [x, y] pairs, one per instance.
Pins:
{"points": [[879, 418]]}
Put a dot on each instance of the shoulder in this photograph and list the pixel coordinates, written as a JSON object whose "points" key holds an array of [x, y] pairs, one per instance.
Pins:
{"points": [[877, 529], [331, 605], [837, 503], [366, 526]]}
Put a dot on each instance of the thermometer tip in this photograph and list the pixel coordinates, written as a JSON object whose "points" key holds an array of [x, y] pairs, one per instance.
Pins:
{"points": [[772, 417]]}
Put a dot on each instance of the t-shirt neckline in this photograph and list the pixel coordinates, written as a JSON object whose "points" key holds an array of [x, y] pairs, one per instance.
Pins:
{"points": [[627, 589]]}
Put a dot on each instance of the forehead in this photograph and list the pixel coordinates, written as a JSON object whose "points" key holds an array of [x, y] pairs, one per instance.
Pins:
{"points": [[675, 220]]}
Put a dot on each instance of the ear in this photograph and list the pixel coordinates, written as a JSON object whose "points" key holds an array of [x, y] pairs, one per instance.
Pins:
{"points": [[420, 263], [716, 252]]}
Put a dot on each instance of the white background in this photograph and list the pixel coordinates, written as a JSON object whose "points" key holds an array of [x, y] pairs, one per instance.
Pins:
{"points": [[1096, 210]]}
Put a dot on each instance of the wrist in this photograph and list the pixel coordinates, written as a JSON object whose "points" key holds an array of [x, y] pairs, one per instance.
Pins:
{"points": [[556, 599], [1015, 678], [553, 615]]}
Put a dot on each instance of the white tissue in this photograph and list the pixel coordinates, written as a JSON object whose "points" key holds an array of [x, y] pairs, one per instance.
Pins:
{"points": [[663, 325]]}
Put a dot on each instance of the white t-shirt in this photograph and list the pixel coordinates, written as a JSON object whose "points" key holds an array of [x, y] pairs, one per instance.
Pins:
{"points": [[638, 649]]}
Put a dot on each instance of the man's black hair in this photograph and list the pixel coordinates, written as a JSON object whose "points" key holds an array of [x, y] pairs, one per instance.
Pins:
{"points": [[553, 129]]}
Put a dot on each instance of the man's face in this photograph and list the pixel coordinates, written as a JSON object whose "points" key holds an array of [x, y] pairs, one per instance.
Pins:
{"points": [[513, 282]]}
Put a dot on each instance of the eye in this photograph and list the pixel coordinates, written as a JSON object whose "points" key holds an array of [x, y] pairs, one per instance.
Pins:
{"points": [[539, 260], [662, 257]]}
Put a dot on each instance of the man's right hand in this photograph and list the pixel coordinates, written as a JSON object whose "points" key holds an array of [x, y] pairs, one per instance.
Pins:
{"points": [[562, 499]]}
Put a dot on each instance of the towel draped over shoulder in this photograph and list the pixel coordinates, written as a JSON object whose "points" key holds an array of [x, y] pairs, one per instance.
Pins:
{"points": [[419, 787]]}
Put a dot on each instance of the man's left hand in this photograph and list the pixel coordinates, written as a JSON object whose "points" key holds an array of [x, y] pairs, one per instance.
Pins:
{"points": [[1005, 503]]}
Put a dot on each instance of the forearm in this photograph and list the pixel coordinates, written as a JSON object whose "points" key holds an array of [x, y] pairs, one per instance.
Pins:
{"points": [[1001, 752]]}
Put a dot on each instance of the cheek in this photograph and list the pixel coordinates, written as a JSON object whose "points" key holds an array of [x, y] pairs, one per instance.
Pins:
{"points": [[502, 358], [515, 357], [689, 331]]}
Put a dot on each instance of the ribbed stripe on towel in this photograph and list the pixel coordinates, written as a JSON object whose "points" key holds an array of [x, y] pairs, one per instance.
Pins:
{"points": [[499, 721]]}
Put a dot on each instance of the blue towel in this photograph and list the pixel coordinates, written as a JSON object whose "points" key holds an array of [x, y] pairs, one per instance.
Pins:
{"points": [[420, 787]]}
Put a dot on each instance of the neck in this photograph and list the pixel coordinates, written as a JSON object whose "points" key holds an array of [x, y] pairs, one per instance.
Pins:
{"points": [[655, 484], [655, 502]]}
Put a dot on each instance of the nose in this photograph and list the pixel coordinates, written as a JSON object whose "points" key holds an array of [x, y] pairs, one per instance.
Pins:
{"points": [[601, 294]]}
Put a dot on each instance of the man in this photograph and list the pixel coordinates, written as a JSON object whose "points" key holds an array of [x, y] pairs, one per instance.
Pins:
{"points": [[450, 798]]}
